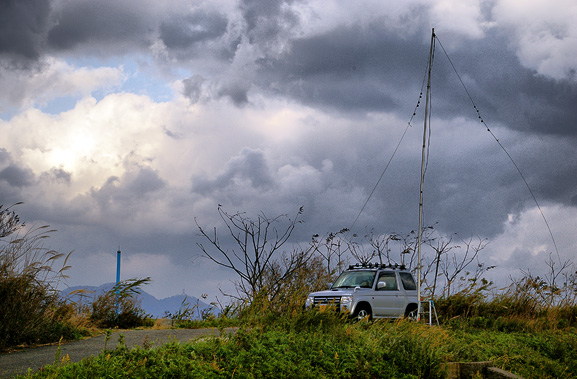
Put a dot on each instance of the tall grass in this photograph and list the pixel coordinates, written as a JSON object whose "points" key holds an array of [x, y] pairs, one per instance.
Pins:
{"points": [[30, 308], [526, 304], [118, 307]]}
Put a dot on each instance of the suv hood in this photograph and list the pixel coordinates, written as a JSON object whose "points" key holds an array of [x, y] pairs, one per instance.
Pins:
{"points": [[337, 292]]}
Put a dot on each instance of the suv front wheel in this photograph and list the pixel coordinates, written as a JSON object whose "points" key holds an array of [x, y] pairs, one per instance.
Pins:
{"points": [[363, 312]]}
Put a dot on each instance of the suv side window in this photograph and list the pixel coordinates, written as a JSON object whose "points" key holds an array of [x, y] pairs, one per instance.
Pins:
{"points": [[390, 281], [408, 281]]}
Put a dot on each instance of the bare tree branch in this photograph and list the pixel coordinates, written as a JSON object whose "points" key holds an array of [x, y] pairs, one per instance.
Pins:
{"points": [[256, 246]]}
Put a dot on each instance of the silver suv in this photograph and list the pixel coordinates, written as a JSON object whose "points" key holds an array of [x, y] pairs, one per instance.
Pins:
{"points": [[373, 290]]}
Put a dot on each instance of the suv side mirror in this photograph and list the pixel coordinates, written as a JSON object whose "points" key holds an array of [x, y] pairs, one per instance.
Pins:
{"points": [[381, 285]]}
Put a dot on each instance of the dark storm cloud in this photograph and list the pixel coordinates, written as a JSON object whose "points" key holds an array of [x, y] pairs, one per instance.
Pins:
{"points": [[193, 88], [145, 181], [541, 105], [17, 176], [22, 27], [266, 25], [185, 31], [12, 178], [356, 68], [105, 27], [549, 164], [471, 185], [266, 19], [505, 91], [58, 175], [128, 192], [362, 67], [465, 195], [236, 91], [5, 156], [251, 166], [368, 68], [101, 23]]}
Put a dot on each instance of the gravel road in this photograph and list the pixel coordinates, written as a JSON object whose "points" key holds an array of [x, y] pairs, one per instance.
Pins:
{"points": [[18, 363]]}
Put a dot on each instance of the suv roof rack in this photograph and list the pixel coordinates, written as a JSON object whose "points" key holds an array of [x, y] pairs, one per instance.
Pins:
{"points": [[377, 265]]}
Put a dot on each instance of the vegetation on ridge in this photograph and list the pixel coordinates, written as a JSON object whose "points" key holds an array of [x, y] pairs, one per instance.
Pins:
{"points": [[529, 328]]}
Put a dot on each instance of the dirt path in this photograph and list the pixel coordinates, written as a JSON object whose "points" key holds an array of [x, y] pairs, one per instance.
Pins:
{"points": [[18, 363]]}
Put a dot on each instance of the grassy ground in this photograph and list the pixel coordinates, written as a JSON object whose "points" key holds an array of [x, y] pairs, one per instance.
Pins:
{"points": [[317, 345]]}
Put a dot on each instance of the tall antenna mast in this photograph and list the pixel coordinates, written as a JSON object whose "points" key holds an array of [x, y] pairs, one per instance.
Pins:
{"points": [[420, 235]]}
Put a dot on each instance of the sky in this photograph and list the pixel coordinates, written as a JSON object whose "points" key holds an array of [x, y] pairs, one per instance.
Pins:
{"points": [[123, 123]]}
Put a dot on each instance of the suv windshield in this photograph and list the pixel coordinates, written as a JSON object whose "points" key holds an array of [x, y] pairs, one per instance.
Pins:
{"points": [[352, 279]]}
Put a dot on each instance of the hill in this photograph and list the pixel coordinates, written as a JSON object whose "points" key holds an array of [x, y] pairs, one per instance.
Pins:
{"points": [[150, 304]]}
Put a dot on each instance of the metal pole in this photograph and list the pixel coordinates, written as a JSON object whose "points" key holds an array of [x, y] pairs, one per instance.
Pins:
{"points": [[118, 267], [117, 281], [420, 237]]}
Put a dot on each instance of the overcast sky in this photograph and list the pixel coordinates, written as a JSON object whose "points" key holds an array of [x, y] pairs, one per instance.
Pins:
{"points": [[121, 122]]}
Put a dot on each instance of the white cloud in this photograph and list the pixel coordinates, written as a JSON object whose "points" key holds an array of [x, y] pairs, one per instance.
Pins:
{"points": [[544, 33], [77, 154], [527, 234], [93, 141], [462, 17], [54, 78]]}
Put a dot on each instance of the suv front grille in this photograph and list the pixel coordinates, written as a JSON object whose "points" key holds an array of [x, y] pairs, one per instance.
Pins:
{"points": [[328, 300]]}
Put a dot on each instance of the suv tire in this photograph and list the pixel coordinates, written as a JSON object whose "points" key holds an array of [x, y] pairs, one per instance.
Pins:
{"points": [[363, 312]]}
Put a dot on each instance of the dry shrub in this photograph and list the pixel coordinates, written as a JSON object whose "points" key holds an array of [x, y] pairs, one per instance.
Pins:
{"points": [[119, 307], [31, 310], [287, 296]]}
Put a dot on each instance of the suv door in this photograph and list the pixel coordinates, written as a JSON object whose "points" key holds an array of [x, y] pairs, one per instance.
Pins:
{"points": [[388, 300]]}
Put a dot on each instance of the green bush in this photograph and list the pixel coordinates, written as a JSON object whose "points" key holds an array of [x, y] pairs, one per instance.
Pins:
{"points": [[119, 308]]}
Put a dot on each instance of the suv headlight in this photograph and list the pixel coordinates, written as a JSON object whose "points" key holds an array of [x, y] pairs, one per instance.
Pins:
{"points": [[310, 301], [346, 300]]}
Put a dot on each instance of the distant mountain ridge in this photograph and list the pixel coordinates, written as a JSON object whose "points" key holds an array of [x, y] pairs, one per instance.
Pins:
{"points": [[151, 305]]}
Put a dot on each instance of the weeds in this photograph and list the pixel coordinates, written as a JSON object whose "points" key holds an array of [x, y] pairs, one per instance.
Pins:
{"points": [[30, 308], [108, 335], [193, 316], [119, 308]]}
